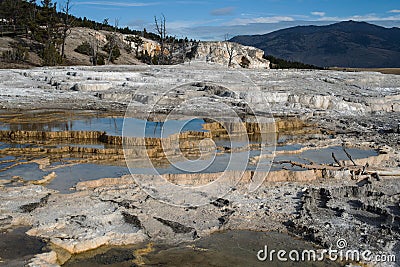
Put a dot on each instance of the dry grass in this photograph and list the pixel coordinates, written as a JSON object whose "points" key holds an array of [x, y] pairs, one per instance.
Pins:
{"points": [[77, 36], [381, 70]]}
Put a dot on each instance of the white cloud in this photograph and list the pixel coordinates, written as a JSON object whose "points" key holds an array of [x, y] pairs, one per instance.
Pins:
{"points": [[367, 17], [222, 11], [394, 11], [247, 21], [318, 13], [178, 24], [181, 24], [118, 4], [190, 2]]}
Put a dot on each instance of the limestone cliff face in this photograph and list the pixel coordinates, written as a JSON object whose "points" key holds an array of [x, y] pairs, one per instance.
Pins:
{"points": [[243, 56], [151, 47], [99, 38], [211, 52]]}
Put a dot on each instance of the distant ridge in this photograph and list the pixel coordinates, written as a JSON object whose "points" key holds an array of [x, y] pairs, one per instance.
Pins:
{"points": [[344, 44]]}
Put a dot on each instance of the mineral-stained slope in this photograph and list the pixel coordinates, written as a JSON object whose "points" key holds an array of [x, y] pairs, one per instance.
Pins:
{"points": [[354, 199]]}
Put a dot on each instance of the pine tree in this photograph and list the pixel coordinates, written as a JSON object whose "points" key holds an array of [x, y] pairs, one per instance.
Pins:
{"points": [[138, 43], [49, 33], [66, 25]]}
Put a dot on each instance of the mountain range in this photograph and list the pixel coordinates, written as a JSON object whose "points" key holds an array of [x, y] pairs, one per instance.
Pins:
{"points": [[344, 44]]}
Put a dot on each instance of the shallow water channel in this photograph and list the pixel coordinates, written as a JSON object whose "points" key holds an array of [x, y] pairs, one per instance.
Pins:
{"points": [[231, 248], [16, 247], [68, 175]]}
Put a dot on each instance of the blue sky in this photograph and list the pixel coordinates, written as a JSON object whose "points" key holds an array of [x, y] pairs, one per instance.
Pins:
{"points": [[212, 19]]}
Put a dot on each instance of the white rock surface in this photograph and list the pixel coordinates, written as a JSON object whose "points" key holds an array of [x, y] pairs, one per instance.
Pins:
{"points": [[247, 56], [284, 91]]}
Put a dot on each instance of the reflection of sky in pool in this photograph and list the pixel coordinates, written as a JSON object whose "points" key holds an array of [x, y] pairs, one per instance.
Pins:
{"points": [[140, 128], [112, 126], [69, 176], [324, 155]]}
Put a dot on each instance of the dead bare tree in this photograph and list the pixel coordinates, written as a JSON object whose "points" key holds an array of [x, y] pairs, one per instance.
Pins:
{"points": [[32, 19], [230, 49], [113, 40], [67, 25], [162, 32], [94, 49], [336, 160], [348, 155]]}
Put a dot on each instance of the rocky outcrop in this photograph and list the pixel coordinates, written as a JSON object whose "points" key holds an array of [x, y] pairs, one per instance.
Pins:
{"points": [[92, 86], [363, 216], [242, 56], [49, 259], [93, 37], [120, 213]]}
